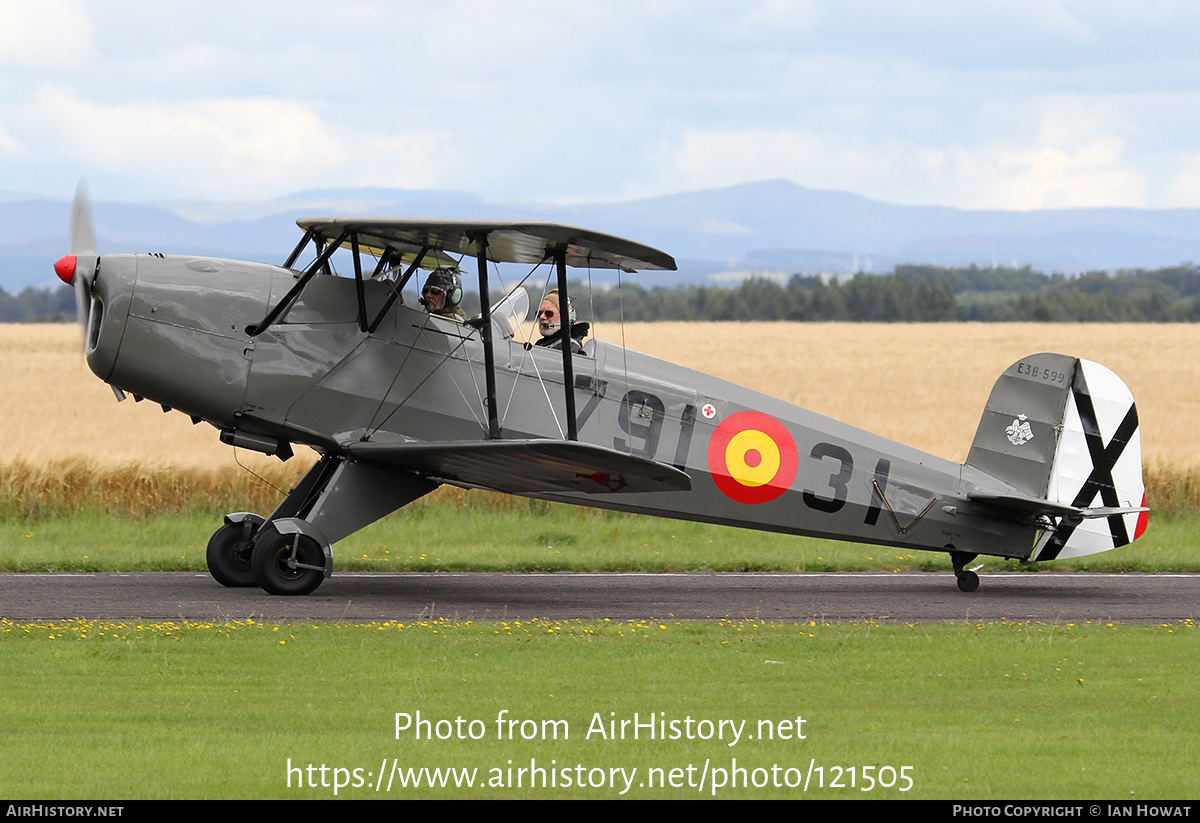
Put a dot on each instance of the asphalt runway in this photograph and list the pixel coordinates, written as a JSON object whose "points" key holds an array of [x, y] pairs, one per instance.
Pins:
{"points": [[407, 597]]}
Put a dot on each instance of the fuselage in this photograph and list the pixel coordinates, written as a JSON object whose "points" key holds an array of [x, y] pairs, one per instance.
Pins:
{"points": [[176, 330]]}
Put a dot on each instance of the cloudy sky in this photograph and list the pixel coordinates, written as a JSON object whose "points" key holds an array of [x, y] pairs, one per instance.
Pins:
{"points": [[1010, 104]]}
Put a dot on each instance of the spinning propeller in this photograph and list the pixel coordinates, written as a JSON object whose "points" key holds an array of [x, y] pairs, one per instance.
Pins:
{"points": [[78, 268]]}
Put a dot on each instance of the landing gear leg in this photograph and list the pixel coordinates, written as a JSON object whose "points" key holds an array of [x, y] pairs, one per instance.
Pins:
{"points": [[968, 581], [293, 553]]}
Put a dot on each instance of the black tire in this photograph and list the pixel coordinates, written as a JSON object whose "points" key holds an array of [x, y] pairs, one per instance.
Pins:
{"points": [[228, 554], [968, 581], [273, 550]]}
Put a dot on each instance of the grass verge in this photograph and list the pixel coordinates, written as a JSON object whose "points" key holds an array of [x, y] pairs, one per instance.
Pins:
{"points": [[531, 536], [82, 516], [126, 710]]}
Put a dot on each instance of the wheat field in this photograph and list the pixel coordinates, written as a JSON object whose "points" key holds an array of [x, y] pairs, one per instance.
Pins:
{"points": [[921, 384]]}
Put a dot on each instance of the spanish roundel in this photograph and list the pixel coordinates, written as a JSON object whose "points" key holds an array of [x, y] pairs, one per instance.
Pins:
{"points": [[752, 457]]}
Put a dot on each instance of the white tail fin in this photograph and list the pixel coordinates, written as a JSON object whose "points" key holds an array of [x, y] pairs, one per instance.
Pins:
{"points": [[1063, 433]]}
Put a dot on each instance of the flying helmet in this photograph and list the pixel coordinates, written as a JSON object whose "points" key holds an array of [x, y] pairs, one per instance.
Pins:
{"points": [[448, 280]]}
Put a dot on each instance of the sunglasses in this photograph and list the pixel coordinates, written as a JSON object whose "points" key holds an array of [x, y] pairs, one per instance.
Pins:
{"points": [[547, 313], [435, 290]]}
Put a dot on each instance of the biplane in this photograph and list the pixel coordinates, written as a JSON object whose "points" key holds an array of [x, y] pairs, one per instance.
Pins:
{"points": [[397, 401]]}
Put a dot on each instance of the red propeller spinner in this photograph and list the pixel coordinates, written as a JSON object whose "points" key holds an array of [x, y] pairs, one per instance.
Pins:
{"points": [[65, 268]]}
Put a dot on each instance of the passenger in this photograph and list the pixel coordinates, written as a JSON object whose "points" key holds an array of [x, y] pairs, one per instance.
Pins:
{"points": [[550, 325], [443, 293]]}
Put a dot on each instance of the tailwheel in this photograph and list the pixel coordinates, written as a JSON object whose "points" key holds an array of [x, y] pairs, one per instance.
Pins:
{"points": [[228, 554], [968, 581], [287, 564]]}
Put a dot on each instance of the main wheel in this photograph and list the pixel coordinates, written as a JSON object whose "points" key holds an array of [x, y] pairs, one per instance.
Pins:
{"points": [[289, 564], [228, 554], [968, 581]]}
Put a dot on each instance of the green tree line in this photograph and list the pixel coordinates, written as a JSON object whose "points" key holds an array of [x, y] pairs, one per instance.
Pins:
{"points": [[30, 305], [1166, 295], [911, 293], [921, 294]]}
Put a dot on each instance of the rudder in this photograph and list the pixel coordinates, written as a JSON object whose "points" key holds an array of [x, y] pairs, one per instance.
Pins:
{"points": [[1099, 456]]}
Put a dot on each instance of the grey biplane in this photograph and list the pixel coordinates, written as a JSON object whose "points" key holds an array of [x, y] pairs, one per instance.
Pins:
{"points": [[398, 401]]}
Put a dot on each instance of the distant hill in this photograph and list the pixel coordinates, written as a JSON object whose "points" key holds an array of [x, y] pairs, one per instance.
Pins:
{"points": [[770, 226]]}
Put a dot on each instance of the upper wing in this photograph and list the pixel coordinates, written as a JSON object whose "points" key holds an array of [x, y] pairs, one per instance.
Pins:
{"points": [[528, 466], [508, 241]]}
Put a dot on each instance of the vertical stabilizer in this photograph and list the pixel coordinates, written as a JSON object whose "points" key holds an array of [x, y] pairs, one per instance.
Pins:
{"points": [[1019, 431], [1065, 431]]}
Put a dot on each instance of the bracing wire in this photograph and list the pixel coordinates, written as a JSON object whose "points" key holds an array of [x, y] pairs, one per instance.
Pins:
{"points": [[462, 341]]}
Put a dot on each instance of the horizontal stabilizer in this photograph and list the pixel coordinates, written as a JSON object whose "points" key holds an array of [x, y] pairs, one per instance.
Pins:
{"points": [[1109, 511], [1024, 505], [1033, 506], [528, 466]]}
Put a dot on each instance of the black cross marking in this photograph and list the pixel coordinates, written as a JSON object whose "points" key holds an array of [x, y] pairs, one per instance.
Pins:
{"points": [[1100, 481]]}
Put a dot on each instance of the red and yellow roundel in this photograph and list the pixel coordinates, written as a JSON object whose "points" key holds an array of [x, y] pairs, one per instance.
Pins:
{"points": [[752, 457]]}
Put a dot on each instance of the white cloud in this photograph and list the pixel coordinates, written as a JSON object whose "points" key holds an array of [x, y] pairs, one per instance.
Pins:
{"points": [[722, 158], [10, 146], [52, 34], [1183, 189], [999, 103], [229, 146], [1079, 156], [1067, 152], [1047, 176]]}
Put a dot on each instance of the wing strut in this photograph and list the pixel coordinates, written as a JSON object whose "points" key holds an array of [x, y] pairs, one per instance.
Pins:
{"points": [[396, 286], [321, 261], [564, 317], [358, 285], [383, 261], [299, 248], [489, 358]]}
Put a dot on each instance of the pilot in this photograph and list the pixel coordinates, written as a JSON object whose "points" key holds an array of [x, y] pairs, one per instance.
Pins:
{"points": [[443, 293], [550, 325]]}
